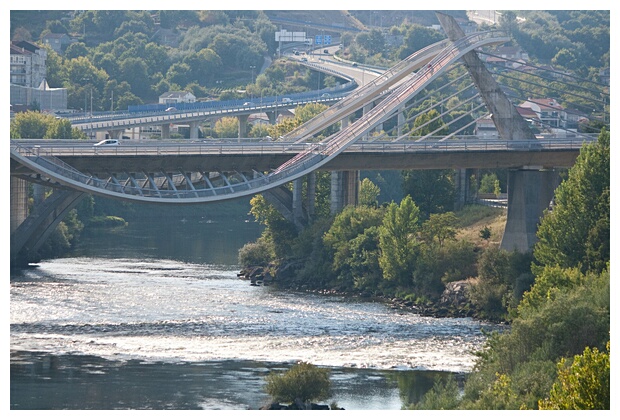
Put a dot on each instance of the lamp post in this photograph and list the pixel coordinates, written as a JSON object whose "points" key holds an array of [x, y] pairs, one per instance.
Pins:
{"points": [[91, 112], [252, 92]]}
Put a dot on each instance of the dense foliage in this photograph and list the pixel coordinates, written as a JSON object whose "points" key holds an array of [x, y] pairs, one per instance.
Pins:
{"points": [[303, 381], [556, 354]]}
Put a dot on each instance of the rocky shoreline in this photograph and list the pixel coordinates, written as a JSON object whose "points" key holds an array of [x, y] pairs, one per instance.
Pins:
{"points": [[453, 302]]}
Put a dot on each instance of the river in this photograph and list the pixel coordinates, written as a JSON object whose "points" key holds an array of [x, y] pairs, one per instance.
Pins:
{"points": [[130, 321]]}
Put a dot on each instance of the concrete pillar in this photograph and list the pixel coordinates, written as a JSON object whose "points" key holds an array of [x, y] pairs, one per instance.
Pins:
{"points": [[193, 130], [336, 196], [508, 121], [401, 121], [311, 195], [365, 110], [352, 179], [19, 202], [272, 117], [297, 199], [464, 194], [344, 189], [243, 126], [116, 134], [529, 194], [165, 131], [38, 194]]}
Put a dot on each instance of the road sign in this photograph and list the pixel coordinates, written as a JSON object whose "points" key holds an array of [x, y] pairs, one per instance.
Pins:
{"points": [[322, 39]]}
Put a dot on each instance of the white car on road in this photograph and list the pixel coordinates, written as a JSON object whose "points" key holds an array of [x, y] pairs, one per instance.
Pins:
{"points": [[109, 142]]}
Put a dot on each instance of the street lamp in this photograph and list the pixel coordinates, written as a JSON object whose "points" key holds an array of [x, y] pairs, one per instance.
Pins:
{"points": [[252, 91]]}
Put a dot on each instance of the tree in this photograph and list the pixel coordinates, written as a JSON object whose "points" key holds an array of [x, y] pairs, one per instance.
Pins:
{"points": [[349, 224], [432, 190], [227, 127], [429, 123], [584, 385], [576, 232], [398, 242], [304, 382], [439, 228], [369, 193], [418, 37], [489, 184], [34, 125], [75, 50], [134, 71]]}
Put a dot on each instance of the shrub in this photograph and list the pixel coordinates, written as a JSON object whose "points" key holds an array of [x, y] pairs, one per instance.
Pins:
{"points": [[255, 253], [303, 381], [584, 385]]}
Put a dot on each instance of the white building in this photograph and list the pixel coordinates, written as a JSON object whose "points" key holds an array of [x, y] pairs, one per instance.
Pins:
{"points": [[550, 113], [27, 64], [28, 85], [172, 98]]}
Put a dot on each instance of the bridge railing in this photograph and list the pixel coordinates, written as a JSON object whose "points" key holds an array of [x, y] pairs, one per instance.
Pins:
{"points": [[38, 148], [45, 158]]}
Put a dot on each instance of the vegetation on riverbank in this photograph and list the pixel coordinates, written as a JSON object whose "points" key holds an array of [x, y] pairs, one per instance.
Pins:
{"points": [[557, 298]]}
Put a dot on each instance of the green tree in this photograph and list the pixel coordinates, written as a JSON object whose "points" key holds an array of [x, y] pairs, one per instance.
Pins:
{"points": [[418, 37], [576, 233], [304, 382], [439, 228], [398, 241], [369, 193], [134, 71], [429, 123], [584, 385], [489, 184], [227, 127], [348, 225], [432, 190], [34, 125]]}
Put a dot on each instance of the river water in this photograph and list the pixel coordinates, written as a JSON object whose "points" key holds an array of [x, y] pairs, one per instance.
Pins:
{"points": [[130, 322]]}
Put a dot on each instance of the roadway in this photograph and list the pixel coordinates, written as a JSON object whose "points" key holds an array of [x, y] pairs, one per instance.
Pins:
{"points": [[158, 156]]}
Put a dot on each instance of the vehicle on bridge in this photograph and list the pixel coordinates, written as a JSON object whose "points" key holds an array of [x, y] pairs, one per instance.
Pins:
{"points": [[109, 142]]}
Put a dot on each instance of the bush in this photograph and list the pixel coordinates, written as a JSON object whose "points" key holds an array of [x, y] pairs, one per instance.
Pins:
{"points": [[107, 221], [303, 381], [255, 253], [584, 385]]}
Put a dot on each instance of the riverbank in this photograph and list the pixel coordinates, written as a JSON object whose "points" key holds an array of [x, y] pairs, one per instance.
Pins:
{"points": [[454, 301]]}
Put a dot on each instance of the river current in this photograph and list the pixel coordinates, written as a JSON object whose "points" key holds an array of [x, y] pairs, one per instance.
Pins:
{"points": [[112, 331]]}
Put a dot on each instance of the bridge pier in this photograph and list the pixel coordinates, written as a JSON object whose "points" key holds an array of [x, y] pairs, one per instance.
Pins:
{"points": [[32, 233], [290, 204], [19, 202], [243, 126], [463, 188], [116, 134], [298, 212], [310, 194], [193, 130], [530, 192], [401, 122], [344, 189], [165, 131]]}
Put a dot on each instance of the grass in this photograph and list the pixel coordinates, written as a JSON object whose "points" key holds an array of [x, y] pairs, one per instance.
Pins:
{"points": [[475, 217]]}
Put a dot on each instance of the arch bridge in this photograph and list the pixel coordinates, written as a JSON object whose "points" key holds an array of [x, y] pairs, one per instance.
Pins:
{"points": [[190, 173]]}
